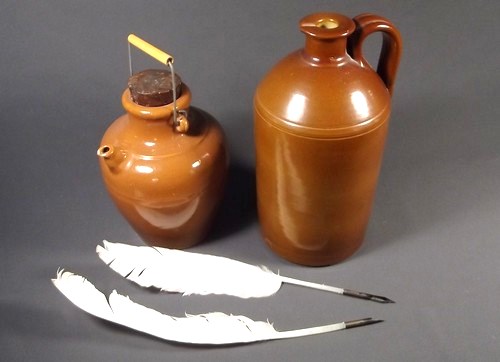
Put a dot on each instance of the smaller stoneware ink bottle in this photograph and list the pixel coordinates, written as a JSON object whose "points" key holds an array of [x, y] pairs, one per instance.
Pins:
{"points": [[165, 174]]}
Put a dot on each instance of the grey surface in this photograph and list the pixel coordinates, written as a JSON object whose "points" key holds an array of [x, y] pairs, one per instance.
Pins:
{"points": [[433, 243]]}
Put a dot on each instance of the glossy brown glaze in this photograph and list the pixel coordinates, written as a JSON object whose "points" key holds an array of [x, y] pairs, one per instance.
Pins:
{"points": [[321, 119], [167, 184]]}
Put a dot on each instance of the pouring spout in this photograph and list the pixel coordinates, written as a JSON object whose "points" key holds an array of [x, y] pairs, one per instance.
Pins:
{"points": [[111, 156]]}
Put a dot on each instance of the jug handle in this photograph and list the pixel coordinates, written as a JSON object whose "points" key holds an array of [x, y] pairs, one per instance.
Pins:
{"points": [[390, 54]]}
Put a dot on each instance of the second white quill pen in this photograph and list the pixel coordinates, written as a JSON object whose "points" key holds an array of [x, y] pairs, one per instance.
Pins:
{"points": [[193, 273]]}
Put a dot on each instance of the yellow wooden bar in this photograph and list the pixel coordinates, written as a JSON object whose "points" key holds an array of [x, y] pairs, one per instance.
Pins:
{"points": [[149, 49]]}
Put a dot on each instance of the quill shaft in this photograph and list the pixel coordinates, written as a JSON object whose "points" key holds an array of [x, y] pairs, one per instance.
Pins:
{"points": [[342, 291], [328, 328], [303, 283], [311, 331]]}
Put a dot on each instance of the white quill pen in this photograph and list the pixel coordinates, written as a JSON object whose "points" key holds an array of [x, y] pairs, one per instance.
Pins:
{"points": [[211, 328], [193, 273]]}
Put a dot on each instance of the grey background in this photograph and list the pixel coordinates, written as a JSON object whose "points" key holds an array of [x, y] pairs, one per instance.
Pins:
{"points": [[433, 242]]}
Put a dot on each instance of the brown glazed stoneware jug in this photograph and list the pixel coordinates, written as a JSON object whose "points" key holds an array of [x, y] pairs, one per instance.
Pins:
{"points": [[321, 117], [165, 177]]}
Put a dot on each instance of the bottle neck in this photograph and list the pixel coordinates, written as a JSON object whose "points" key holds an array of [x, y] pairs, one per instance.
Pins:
{"points": [[326, 36], [325, 50]]}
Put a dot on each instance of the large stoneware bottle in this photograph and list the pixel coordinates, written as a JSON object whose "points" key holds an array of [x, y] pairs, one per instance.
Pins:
{"points": [[165, 175], [321, 118]]}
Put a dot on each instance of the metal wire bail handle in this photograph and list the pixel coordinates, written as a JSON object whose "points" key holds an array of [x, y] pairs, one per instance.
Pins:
{"points": [[180, 121], [179, 115]]}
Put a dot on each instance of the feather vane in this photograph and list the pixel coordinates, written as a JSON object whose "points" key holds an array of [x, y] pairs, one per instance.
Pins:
{"points": [[189, 273]]}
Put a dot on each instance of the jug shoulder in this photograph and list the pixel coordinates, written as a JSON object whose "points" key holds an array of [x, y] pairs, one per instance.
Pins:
{"points": [[337, 99]]}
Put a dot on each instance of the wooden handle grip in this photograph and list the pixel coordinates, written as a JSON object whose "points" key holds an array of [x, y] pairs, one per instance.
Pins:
{"points": [[149, 49]]}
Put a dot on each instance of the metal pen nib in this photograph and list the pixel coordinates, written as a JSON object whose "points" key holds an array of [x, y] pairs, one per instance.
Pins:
{"points": [[361, 322], [367, 296]]}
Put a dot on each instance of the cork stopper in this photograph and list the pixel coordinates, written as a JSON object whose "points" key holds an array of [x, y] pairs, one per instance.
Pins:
{"points": [[153, 87]]}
